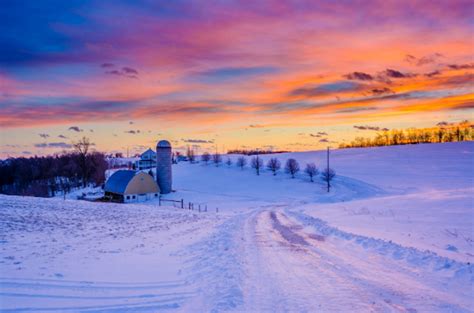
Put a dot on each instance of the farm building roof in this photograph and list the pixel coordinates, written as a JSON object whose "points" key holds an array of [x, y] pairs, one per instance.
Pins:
{"points": [[164, 144], [117, 183]]}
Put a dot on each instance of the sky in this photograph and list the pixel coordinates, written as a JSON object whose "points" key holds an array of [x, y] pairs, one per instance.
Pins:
{"points": [[281, 75]]}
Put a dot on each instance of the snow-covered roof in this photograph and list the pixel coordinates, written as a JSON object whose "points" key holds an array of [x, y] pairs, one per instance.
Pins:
{"points": [[148, 151], [164, 144], [117, 183], [147, 154]]}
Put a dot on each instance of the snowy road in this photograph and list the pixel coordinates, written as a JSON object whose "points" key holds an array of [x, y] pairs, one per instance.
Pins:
{"points": [[266, 259], [289, 267]]}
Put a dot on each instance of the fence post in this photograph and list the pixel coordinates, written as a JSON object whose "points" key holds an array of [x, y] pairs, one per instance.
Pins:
{"points": [[159, 201], [217, 210], [182, 204]]}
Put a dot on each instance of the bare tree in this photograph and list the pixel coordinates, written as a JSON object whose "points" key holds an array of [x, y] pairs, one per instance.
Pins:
{"points": [[241, 162], [440, 134], [205, 157], [228, 162], [292, 167], [65, 186], [257, 164], [82, 149], [97, 165], [311, 170], [274, 165], [327, 175], [217, 159]]}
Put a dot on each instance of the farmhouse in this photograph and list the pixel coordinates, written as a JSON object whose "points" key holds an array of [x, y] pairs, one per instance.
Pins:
{"points": [[147, 160], [130, 186]]}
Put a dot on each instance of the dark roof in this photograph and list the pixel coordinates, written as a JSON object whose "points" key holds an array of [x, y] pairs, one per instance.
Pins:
{"points": [[149, 150], [163, 144], [117, 183]]}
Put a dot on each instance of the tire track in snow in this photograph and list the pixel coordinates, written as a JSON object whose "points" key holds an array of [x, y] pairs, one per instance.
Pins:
{"points": [[260, 292], [393, 285], [216, 268], [92, 297], [296, 275], [413, 257], [291, 269]]}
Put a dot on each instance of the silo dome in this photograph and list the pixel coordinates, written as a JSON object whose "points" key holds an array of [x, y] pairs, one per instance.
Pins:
{"points": [[163, 144], [163, 166]]}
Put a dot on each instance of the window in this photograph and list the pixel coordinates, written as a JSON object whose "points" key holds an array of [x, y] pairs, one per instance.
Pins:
{"points": [[156, 195], [128, 197], [133, 197]]}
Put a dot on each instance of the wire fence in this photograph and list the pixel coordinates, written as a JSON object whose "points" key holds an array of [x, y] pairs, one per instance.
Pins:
{"points": [[199, 207]]}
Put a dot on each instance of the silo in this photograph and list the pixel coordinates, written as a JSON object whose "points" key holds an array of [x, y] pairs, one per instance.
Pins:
{"points": [[163, 166]]}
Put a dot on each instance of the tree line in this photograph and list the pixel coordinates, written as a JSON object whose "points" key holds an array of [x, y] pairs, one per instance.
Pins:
{"points": [[292, 167], [47, 176], [442, 132], [254, 151]]}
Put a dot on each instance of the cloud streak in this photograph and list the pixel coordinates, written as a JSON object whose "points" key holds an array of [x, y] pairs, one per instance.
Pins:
{"points": [[366, 127], [217, 67], [62, 145], [75, 129]]}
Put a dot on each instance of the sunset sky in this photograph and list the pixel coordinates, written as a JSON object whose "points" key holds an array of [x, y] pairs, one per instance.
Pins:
{"points": [[292, 75]]}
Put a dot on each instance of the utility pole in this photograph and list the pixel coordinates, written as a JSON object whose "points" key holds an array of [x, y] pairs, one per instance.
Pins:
{"points": [[327, 169], [258, 164]]}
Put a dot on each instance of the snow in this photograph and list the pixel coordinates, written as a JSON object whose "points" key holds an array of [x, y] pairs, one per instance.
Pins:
{"points": [[88, 192], [395, 234]]}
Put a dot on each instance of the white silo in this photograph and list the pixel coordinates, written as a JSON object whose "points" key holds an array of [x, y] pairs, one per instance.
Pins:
{"points": [[163, 166]]}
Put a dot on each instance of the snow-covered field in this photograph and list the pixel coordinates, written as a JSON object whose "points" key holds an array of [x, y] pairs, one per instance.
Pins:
{"points": [[395, 234]]}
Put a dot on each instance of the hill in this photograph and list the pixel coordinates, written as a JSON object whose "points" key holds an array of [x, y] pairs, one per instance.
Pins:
{"points": [[394, 234]]}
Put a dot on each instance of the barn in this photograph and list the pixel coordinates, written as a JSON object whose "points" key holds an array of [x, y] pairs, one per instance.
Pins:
{"points": [[130, 186]]}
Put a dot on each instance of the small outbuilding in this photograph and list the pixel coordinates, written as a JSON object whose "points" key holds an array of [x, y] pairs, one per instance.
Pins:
{"points": [[130, 186]]}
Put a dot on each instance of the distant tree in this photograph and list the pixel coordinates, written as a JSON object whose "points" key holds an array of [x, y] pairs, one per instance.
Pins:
{"points": [[82, 149], [217, 159], [64, 185], [97, 165], [257, 164], [49, 175], [228, 162], [311, 170], [443, 132], [292, 167], [451, 136], [440, 134], [459, 134], [241, 162], [205, 157], [412, 136], [254, 151], [190, 154], [274, 165], [327, 175]]}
